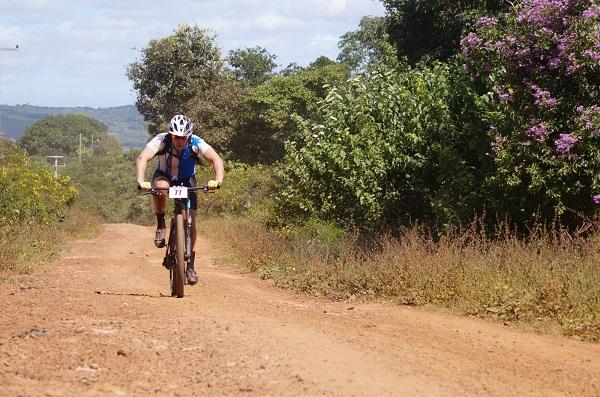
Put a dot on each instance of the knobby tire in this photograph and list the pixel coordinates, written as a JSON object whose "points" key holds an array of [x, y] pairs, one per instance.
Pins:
{"points": [[179, 270]]}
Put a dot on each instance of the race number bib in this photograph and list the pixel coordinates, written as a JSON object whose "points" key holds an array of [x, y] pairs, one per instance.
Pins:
{"points": [[178, 192]]}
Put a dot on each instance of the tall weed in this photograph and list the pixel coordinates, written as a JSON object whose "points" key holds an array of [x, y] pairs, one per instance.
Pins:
{"points": [[551, 277], [24, 247]]}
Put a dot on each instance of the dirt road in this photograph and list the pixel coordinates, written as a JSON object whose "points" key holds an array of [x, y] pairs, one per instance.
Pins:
{"points": [[96, 323]]}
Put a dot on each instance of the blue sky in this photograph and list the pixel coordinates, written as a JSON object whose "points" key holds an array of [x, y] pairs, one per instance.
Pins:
{"points": [[74, 53]]}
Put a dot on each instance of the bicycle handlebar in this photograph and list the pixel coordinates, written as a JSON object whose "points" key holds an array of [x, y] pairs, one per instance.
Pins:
{"points": [[157, 191]]}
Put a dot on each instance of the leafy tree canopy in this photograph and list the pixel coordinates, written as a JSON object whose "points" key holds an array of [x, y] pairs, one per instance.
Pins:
{"points": [[219, 113], [271, 107], [432, 29], [366, 46], [252, 66], [172, 71], [59, 135], [291, 69]]}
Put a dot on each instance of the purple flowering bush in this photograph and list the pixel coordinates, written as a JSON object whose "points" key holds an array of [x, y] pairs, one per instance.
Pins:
{"points": [[537, 69]]}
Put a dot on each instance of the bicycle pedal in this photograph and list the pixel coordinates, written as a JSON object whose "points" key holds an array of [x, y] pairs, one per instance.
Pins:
{"points": [[168, 262]]}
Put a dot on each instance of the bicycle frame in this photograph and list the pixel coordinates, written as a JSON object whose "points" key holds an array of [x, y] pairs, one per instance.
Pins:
{"points": [[188, 220], [179, 251]]}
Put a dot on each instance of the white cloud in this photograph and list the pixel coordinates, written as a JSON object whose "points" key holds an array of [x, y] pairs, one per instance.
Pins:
{"points": [[10, 36], [273, 22], [323, 42], [76, 46], [335, 7]]}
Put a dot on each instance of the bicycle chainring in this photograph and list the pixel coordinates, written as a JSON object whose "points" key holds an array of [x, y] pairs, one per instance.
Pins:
{"points": [[169, 261]]}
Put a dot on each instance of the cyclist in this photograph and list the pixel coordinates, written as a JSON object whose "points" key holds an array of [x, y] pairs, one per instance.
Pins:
{"points": [[178, 152]]}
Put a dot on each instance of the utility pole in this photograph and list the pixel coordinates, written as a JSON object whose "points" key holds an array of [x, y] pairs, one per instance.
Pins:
{"points": [[80, 147], [4, 49]]}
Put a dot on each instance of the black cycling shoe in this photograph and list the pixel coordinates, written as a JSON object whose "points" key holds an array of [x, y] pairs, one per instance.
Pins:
{"points": [[159, 239], [192, 277]]}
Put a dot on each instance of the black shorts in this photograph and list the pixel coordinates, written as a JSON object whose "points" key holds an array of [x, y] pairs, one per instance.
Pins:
{"points": [[191, 182]]}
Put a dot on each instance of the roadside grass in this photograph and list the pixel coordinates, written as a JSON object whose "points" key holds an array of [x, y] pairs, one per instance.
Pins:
{"points": [[548, 281], [26, 247]]}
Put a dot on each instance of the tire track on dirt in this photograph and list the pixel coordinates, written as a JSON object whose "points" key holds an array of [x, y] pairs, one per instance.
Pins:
{"points": [[96, 323]]}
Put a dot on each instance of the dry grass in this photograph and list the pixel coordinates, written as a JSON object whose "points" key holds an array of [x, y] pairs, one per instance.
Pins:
{"points": [[546, 279], [23, 248]]}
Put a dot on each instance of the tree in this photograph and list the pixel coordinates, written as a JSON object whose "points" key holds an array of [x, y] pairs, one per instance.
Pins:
{"points": [[252, 66], [538, 70], [431, 29], [291, 70], [271, 109], [59, 135], [366, 46], [172, 71], [219, 113]]}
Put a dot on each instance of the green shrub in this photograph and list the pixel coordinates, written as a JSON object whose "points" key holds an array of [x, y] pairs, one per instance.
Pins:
{"points": [[107, 187], [246, 190], [387, 149], [30, 194], [538, 70]]}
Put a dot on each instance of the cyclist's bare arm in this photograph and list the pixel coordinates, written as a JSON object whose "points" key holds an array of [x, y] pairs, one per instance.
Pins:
{"points": [[217, 163], [142, 162]]}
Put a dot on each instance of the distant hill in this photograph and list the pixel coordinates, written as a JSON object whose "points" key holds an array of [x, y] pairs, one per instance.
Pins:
{"points": [[125, 122]]}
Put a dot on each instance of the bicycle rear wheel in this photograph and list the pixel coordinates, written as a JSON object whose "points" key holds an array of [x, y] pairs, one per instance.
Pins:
{"points": [[178, 280]]}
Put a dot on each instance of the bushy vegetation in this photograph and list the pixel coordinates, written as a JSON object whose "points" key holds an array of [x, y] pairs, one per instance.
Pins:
{"points": [[538, 69], [106, 187], [508, 129], [385, 149], [247, 192], [34, 208], [30, 194], [430, 30]]}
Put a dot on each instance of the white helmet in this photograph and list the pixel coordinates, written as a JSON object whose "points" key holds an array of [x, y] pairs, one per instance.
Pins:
{"points": [[181, 126]]}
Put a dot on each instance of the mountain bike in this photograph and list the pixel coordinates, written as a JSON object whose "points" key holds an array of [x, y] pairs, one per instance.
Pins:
{"points": [[179, 246]]}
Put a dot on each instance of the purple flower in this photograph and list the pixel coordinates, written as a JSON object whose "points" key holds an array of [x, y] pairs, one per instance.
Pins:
{"points": [[553, 63], [565, 43], [592, 54], [543, 12], [542, 97], [485, 21], [498, 143], [596, 198], [507, 97], [539, 131], [565, 143], [591, 13], [588, 117], [470, 42]]}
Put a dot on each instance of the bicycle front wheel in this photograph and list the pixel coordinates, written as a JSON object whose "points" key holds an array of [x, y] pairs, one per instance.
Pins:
{"points": [[179, 270]]}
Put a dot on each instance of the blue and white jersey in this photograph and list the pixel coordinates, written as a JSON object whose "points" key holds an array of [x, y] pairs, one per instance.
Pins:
{"points": [[181, 164]]}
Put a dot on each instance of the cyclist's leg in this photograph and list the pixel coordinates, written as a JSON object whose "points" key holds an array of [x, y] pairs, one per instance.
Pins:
{"points": [[160, 181], [190, 271], [160, 202], [193, 213]]}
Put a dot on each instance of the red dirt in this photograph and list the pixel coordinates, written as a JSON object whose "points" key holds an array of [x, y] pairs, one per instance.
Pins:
{"points": [[97, 322]]}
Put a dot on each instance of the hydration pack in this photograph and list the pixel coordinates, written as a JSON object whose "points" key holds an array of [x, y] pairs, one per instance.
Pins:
{"points": [[168, 149]]}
